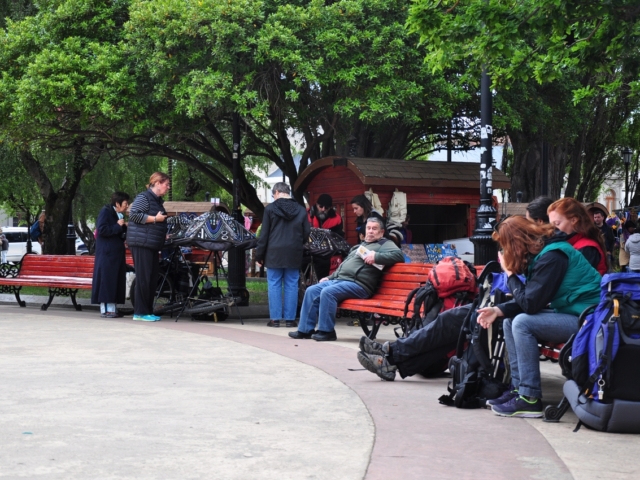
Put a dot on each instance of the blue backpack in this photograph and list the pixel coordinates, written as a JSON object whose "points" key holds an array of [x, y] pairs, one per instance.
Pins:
{"points": [[604, 385], [34, 231]]}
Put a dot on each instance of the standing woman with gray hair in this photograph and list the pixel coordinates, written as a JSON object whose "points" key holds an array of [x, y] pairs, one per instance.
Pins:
{"points": [[145, 237], [285, 229]]}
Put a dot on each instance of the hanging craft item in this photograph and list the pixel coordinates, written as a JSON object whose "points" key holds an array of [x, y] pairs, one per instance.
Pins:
{"points": [[215, 231], [325, 243], [375, 201]]}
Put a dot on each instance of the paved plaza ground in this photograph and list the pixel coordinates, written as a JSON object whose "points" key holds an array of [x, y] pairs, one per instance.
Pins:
{"points": [[85, 397]]}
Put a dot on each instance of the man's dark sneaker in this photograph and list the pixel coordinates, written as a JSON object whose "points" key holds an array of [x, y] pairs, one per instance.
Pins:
{"points": [[504, 398], [273, 323], [372, 347], [298, 335], [519, 407], [379, 365], [291, 324], [321, 336]]}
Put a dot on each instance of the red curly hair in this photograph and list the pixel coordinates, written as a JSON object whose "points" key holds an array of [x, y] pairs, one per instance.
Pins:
{"points": [[519, 237], [570, 208]]}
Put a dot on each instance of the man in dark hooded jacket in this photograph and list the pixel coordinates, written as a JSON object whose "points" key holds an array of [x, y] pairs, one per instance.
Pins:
{"points": [[285, 229]]}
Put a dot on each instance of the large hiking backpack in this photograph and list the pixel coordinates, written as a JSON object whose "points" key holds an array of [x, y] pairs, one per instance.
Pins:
{"points": [[478, 370], [604, 388], [451, 283]]}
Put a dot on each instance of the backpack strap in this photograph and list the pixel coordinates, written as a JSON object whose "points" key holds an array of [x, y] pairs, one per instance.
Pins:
{"points": [[407, 302], [462, 336], [481, 355]]}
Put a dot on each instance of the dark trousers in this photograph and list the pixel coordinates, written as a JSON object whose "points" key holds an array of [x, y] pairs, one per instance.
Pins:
{"points": [[426, 349], [147, 267]]}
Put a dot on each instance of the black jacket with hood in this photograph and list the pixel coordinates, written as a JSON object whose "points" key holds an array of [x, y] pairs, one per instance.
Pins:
{"points": [[285, 229]]}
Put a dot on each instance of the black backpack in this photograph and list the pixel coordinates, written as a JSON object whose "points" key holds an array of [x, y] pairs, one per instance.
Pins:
{"points": [[478, 369], [452, 287]]}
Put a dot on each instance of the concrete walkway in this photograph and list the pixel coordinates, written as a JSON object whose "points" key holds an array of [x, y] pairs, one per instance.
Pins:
{"points": [[85, 397]]}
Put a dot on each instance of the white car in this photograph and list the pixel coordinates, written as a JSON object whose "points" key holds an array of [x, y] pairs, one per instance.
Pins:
{"points": [[17, 237]]}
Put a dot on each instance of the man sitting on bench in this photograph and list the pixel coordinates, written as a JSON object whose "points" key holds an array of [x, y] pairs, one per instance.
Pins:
{"points": [[357, 277]]}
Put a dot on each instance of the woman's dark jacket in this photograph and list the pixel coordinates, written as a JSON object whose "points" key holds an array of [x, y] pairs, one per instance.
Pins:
{"points": [[543, 283], [147, 235], [109, 272], [285, 229]]}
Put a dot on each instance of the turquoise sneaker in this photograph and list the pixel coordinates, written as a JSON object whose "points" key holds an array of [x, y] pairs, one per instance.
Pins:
{"points": [[146, 318]]}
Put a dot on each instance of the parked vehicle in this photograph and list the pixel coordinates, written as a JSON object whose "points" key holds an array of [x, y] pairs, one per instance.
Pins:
{"points": [[17, 237], [81, 248]]}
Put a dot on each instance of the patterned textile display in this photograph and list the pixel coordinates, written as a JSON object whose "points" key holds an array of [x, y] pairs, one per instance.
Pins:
{"points": [[214, 231], [325, 243]]}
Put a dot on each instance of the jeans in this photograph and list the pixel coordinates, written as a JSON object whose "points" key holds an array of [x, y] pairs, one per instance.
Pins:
{"points": [[321, 302], [279, 279], [521, 335], [4, 256]]}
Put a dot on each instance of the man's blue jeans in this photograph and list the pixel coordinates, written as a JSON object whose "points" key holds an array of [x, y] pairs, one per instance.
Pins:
{"points": [[280, 279], [321, 302], [521, 335]]}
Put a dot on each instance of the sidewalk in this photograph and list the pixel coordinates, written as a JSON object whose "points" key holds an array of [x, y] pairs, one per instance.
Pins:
{"points": [[123, 399]]}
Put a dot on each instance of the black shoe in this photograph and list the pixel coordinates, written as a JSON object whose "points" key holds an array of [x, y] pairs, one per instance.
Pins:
{"points": [[324, 336], [298, 335], [291, 324], [273, 323], [113, 315]]}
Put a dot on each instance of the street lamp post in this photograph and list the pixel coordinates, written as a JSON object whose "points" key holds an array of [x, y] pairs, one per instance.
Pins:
{"points": [[236, 275], [626, 157], [485, 249]]}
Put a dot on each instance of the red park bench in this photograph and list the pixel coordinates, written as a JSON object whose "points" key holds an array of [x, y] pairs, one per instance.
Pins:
{"points": [[63, 275], [386, 306]]}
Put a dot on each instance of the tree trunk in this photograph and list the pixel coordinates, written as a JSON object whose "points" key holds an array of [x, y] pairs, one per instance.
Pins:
{"points": [[58, 204]]}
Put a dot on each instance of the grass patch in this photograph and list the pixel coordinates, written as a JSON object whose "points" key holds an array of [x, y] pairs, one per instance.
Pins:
{"points": [[257, 291], [45, 292]]}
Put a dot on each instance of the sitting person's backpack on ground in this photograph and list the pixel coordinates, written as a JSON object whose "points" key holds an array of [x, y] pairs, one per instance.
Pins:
{"points": [[478, 369], [604, 391], [451, 283]]}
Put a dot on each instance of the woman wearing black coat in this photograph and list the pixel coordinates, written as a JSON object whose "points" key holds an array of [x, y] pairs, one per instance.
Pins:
{"points": [[109, 272]]}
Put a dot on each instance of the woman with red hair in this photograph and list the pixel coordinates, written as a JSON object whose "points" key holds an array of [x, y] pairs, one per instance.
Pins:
{"points": [[576, 226], [560, 284]]}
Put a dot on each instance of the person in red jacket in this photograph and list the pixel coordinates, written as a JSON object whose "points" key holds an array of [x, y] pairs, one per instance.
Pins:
{"points": [[323, 215], [571, 218]]}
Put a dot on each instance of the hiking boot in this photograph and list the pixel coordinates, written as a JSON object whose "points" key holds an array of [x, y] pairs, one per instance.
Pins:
{"points": [[379, 365], [291, 324], [519, 407], [504, 398], [372, 347], [273, 323]]}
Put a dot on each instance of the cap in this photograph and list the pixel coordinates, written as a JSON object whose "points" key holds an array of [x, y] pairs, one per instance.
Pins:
{"points": [[325, 200]]}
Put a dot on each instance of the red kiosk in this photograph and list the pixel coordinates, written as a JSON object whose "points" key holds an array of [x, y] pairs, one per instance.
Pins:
{"points": [[442, 197]]}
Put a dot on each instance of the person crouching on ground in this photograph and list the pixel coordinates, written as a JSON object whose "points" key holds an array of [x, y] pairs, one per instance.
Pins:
{"points": [[357, 277], [284, 231], [559, 277], [110, 271]]}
